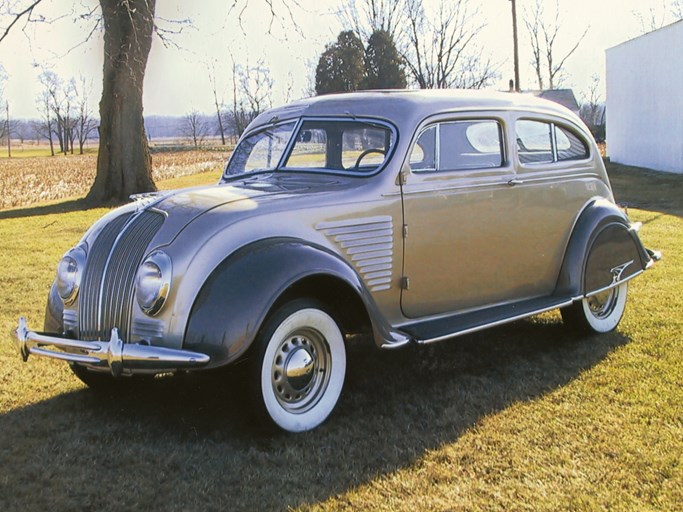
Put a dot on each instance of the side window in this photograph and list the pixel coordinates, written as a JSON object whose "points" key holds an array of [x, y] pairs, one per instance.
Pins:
{"points": [[465, 145], [423, 155], [458, 145], [353, 146], [310, 149], [534, 142], [569, 145], [365, 147], [542, 142]]}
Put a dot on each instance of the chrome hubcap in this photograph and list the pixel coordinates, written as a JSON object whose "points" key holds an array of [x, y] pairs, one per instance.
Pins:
{"points": [[300, 370], [602, 304]]}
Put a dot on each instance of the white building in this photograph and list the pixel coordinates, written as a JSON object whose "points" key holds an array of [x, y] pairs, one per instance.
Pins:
{"points": [[645, 100]]}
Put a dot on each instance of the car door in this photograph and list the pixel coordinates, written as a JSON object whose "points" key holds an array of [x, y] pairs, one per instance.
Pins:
{"points": [[476, 234]]}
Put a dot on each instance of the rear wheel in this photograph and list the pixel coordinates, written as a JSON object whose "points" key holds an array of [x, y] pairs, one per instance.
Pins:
{"points": [[598, 313], [297, 372]]}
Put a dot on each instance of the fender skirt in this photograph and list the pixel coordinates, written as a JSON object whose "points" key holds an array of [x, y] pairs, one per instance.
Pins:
{"points": [[237, 296]]}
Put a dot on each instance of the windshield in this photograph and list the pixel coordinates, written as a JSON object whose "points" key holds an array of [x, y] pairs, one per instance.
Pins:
{"points": [[340, 146], [261, 151]]}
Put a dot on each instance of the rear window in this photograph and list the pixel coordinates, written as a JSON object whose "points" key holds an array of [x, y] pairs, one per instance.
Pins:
{"points": [[544, 142]]}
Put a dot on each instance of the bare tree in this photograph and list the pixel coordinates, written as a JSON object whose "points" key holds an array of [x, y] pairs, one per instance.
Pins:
{"points": [[543, 33], [437, 44], [124, 164], [45, 128], [257, 86], [532, 22], [8, 130], [195, 127], [289, 91], [367, 16], [251, 93], [278, 10], [61, 102], [4, 127], [84, 123], [677, 9], [442, 50], [219, 105], [654, 18], [239, 118], [592, 109]]}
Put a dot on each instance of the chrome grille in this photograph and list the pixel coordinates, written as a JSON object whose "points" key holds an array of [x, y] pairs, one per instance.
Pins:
{"points": [[107, 289]]}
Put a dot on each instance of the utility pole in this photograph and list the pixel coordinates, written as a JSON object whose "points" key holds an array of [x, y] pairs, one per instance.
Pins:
{"points": [[9, 138], [515, 45]]}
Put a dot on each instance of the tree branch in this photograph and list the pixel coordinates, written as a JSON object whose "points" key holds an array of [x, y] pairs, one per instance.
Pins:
{"points": [[26, 12]]}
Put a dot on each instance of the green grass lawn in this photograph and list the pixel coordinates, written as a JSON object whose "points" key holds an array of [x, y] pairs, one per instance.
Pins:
{"points": [[522, 417]]}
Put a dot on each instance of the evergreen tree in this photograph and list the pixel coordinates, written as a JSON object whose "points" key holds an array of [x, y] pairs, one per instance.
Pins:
{"points": [[341, 67], [383, 64]]}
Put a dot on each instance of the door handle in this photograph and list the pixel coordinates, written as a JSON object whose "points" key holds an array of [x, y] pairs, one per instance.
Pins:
{"points": [[515, 181]]}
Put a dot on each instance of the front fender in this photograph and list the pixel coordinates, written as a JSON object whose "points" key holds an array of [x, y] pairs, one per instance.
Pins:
{"points": [[237, 296], [603, 250]]}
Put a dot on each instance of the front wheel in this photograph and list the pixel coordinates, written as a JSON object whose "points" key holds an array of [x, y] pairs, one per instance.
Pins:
{"points": [[298, 368], [597, 313]]}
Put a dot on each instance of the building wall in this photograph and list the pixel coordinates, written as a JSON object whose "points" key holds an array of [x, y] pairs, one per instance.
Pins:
{"points": [[645, 100]]}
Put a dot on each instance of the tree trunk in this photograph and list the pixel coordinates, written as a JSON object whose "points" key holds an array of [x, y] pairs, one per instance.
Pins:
{"points": [[124, 164]]}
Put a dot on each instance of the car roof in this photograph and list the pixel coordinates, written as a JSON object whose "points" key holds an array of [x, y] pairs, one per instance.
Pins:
{"points": [[408, 106]]}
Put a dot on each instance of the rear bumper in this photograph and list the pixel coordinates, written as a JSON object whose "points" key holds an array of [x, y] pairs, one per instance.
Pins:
{"points": [[117, 356]]}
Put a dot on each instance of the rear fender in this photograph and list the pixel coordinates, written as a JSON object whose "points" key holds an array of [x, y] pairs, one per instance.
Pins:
{"points": [[603, 251]]}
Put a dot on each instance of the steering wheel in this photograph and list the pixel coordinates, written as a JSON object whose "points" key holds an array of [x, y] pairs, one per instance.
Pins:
{"points": [[366, 153]]}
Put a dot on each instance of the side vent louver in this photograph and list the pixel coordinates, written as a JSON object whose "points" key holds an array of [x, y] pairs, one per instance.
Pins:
{"points": [[368, 243]]}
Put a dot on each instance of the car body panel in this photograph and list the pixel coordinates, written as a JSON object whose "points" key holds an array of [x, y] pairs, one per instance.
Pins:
{"points": [[425, 255]]}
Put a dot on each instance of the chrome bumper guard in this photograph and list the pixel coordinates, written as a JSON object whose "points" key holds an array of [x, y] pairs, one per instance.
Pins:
{"points": [[113, 354]]}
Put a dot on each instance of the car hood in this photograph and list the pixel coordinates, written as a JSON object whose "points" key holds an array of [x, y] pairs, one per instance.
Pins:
{"points": [[181, 207]]}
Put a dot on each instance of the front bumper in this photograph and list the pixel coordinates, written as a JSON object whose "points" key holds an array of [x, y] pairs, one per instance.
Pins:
{"points": [[117, 356]]}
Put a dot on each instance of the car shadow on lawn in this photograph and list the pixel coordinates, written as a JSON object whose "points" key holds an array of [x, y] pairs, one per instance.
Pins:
{"points": [[645, 189], [186, 443], [68, 206]]}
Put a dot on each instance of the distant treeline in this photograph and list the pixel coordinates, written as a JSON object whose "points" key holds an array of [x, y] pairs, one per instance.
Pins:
{"points": [[157, 127]]}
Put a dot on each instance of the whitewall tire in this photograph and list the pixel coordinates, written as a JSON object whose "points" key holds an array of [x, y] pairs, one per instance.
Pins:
{"points": [[299, 367], [598, 313]]}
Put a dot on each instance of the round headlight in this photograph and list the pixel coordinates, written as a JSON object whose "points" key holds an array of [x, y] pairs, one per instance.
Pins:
{"points": [[153, 282], [69, 272]]}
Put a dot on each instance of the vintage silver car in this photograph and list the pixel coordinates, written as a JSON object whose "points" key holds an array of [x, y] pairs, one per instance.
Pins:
{"points": [[408, 217]]}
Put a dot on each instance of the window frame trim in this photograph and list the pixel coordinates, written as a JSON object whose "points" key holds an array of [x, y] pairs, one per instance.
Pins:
{"points": [[504, 158], [553, 138], [321, 170]]}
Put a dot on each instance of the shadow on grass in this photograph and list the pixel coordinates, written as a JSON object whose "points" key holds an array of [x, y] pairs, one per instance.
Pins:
{"points": [[69, 206], [646, 189], [187, 443]]}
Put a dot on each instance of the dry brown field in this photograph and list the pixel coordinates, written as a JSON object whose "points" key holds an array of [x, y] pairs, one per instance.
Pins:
{"points": [[25, 181]]}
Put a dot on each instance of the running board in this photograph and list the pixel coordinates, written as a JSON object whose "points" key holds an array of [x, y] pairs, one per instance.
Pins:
{"points": [[431, 331]]}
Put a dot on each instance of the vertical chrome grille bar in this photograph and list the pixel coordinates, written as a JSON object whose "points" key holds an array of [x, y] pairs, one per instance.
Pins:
{"points": [[109, 276], [127, 254], [89, 301]]}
